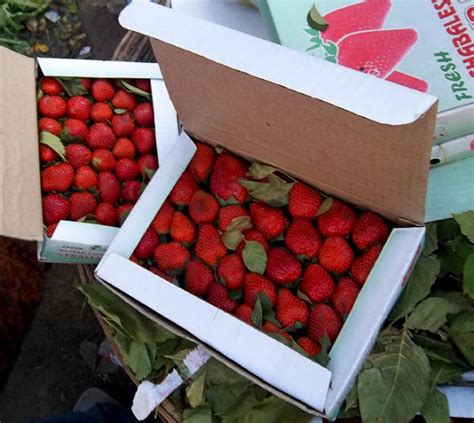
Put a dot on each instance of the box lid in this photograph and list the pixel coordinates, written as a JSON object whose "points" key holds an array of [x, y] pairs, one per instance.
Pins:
{"points": [[360, 138], [20, 198]]}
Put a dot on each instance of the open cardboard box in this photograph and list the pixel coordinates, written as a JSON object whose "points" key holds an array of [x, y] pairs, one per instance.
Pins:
{"points": [[20, 202], [355, 137]]}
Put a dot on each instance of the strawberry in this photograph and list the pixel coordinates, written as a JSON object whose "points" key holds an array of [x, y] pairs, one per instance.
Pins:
{"points": [[124, 100], [302, 239], [100, 136], [105, 214], [171, 258], [159, 273], [201, 164], [324, 320], [78, 155], [74, 130], [268, 327], [122, 212], [335, 255], [52, 106], [209, 247], [363, 264], [126, 169], [345, 295], [198, 278], [231, 271], [253, 235], [49, 125], [409, 81], [123, 125], [182, 229], [369, 229], [78, 107], [244, 313], [271, 222], [142, 84], [203, 207], [144, 139], [290, 309], [85, 178], [228, 213], [86, 83], [109, 187], [318, 285], [124, 149], [255, 283], [103, 160], [50, 230], [183, 190], [225, 176], [57, 177], [146, 247], [303, 201], [148, 163], [217, 296], [143, 114], [82, 204], [55, 208], [282, 267], [47, 154], [162, 221], [102, 90], [337, 221], [101, 112], [309, 346], [131, 191], [51, 86]]}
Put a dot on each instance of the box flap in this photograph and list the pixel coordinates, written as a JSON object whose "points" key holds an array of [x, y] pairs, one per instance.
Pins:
{"points": [[20, 199], [352, 135]]}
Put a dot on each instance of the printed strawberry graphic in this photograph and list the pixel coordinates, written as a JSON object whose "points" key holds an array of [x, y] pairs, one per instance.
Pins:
{"points": [[203, 207], [335, 255], [51, 86], [123, 125], [85, 178], [244, 313], [100, 136], [231, 271], [209, 247], [171, 258], [52, 106], [82, 204], [144, 140], [182, 229], [122, 213], [55, 208], [282, 267], [103, 160], [58, 177], [302, 239], [309, 346], [303, 201], [49, 125], [131, 191], [323, 320], [102, 90], [105, 214], [162, 221], [337, 221], [225, 176], [369, 229], [345, 295], [127, 169], [198, 278], [217, 296], [318, 285], [270, 221], [47, 154], [201, 164], [109, 187], [291, 310], [124, 100], [124, 149], [101, 112], [143, 114], [78, 107], [183, 190], [409, 81], [147, 245], [363, 264]]}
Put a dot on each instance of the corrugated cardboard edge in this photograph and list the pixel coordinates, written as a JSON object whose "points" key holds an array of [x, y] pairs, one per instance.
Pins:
{"points": [[20, 199]]}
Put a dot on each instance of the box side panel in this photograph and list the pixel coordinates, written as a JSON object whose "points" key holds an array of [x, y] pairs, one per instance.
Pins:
{"points": [[70, 252], [454, 123]]}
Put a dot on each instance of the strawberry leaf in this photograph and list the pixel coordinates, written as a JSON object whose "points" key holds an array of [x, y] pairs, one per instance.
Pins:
{"points": [[232, 239], [267, 309], [53, 142], [72, 86], [294, 327], [280, 338], [120, 111], [254, 257], [304, 297], [260, 171], [257, 314], [295, 346], [325, 206], [239, 224], [149, 172], [134, 90], [274, 192], [235, 294], [323, 357]]}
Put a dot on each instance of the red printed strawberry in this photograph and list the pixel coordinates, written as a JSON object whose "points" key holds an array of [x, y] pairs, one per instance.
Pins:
{"points": [[363, 264], [290, 309], [103, 160], [51, 86], [183, 190], [162, 221], [82, 204], [102, 90], [47, 154], [253, 235], [409, 81], [302, 239], [254, 284], [345, 295], [171, 258], [78, 155], [303, 201], [337, 221], [198, 278], [209, 247], [182, 229], [268, 327], [109, 187], [55, 208], [146, 247], [318, 285], [217, 296], [100, 136], [122, 212], [126, 169], [323, 320], [148, 163], [78, 107], [131, 191], [123, 125], [124, 100], [228, 213], [49, 125], [201, 164], [142, 84], [57, 177], [282, 267], [231, 271], [50, 230], [203, 207], [369, 229], [144, 140], [335, 254], [101, 112], [74, 130], [244, 313], [85, 178], [271, 222], [105, 214], [143, 114], [225, 176], [124, 149], [309, 346], [52, 106]]}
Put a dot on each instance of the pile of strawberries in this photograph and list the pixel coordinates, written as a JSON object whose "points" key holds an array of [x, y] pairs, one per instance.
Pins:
{"points": [[97, 148], [270, 250]]}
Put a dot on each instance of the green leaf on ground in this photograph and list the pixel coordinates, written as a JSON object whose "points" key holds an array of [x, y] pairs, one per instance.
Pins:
{"points": [[255, 257], [464, 341], [442, 373], [274, 409], [139, 360], [250, 398], [436, 407], [222, 397], [53, 142], [463, 322], [468, 276], [466, 223], [195, 390], [220, 374], [454, 254], [431, 239], [431, 314], [202, 414]]}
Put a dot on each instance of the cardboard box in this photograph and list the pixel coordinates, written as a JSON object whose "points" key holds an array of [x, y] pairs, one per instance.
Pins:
{"points": [[341, 131], [20, 203]]}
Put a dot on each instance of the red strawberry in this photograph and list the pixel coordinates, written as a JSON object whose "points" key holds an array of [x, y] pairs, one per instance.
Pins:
{"points": [[409, 81], [122, 212], [55, 208], [82, 204], [318, 285], [363, 264], [345, 295], [51, 86], [162, 221], [105, 214], [47, 154], [109, 187], [78, 155], [369, 229], [203, 207], [102, 90], [182, 229], [144, 114], [124, 100], [146, 247], [209, 247], [201, 164], [142, 84], [231, 271], [253, 235], [324, 320], [268, 327], [58, 177], [52, 106], [86, 83], [217, 296], [131, 191], [50, 230], [171, 258], [290, 309], [337, 221], [255, 283], [100, 136], [309, 346], [225, 176], [244, 313], [78, 107], [159, 273], [101, 112], [49, 125], [85, 178], [183, 190], [198, 278], [335, 255], [103, 160], [228, 213], [303, 201], [75, 130], [302, 239], [124, 149], [271, 222], [126, 169], [144, 139], [282, 267], [123, 125], [147, 164]]}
